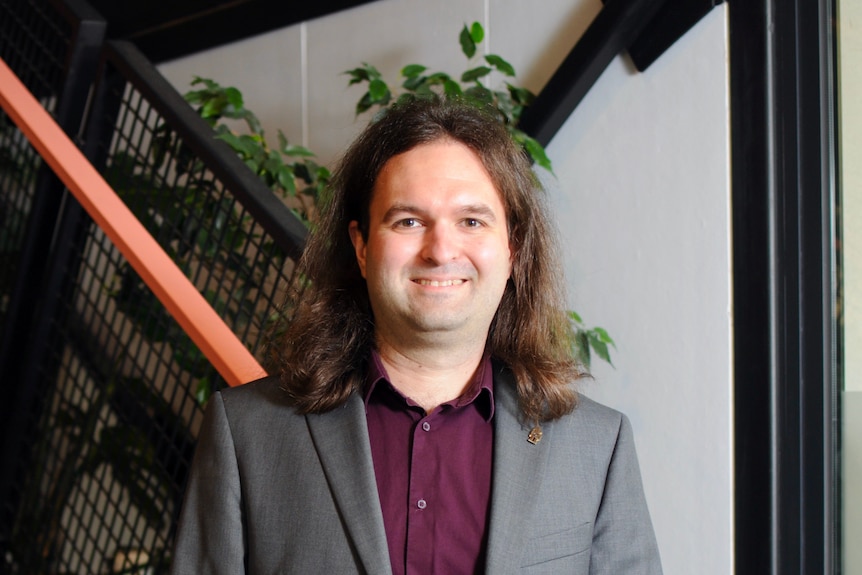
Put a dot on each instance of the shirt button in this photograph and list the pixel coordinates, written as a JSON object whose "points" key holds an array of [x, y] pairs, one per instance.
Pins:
{"points": [[426, 426], [421, 504]]}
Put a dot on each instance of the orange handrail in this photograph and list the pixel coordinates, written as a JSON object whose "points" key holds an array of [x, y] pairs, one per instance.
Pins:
{"points": [[216, 341]]}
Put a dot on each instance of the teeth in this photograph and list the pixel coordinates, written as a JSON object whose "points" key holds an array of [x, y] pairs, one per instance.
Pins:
{"points": [[445, 283]]}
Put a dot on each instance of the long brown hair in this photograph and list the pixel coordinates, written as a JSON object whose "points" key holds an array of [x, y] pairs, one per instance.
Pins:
{"points": [[322, 356]]}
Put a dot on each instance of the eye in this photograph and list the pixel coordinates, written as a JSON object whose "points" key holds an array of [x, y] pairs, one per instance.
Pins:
{"points": [[473, 223], [407, 223]]}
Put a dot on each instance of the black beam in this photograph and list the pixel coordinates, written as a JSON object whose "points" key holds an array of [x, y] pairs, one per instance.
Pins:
{"points": [[617, 26], [673, 20], [168, 29], [26, 317]]}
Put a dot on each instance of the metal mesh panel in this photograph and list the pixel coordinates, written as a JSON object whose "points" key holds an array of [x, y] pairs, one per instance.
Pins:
{"points": [[231, 259], [19, 164], [33, 42], [106, 474]]}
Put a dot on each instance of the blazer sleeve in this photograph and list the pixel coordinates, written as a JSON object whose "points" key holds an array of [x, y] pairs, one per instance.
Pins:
{"points": [[623, 537], [211, 534]]}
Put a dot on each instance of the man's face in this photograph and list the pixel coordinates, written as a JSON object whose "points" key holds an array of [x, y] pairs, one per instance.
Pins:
{"points": [[437, 256]]}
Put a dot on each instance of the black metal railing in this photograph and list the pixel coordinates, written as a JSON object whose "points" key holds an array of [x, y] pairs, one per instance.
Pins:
{"points": [[105, 389]]}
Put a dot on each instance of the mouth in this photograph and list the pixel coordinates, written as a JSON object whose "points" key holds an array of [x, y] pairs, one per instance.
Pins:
{"points": [[439, 283]]}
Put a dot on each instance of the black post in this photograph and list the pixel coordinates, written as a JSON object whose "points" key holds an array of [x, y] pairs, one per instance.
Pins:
{"points": [[784, 285], [25, 317]]}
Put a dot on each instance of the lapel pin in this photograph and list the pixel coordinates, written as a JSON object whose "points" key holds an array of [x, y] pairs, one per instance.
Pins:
{"points": [[535, 435]]}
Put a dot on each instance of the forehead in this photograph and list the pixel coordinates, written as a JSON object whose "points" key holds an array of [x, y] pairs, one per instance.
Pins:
{"points": [[434, 170]]}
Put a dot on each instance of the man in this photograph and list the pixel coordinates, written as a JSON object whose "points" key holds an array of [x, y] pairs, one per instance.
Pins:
{"points": [[424, 418]]}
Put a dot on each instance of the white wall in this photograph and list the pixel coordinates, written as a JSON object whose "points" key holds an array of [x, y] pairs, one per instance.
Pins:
{"points": [[641, 196], [850, 115]]}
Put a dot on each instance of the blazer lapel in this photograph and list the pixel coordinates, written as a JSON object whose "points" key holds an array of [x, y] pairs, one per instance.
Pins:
{"points": [[518, 464], [341, 440]]}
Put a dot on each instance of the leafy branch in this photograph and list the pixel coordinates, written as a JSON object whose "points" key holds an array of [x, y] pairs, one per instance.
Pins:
{"points": [[587, 339], [508, 103], [285, 168]]}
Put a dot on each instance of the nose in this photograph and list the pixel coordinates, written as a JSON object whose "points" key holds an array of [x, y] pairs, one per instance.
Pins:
{"points": [[440, 244]]}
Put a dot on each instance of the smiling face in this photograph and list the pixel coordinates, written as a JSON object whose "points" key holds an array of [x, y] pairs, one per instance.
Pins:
{"points": [[436, 255]]}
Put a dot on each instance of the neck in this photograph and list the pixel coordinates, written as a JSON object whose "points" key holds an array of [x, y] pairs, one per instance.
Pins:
{"points": [[430, 376]]}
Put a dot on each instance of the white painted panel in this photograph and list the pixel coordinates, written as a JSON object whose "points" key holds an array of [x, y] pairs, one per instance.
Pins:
{"points": [[535, 37], [388, 34], [643, 201], [267, 69], [850, 78], [851, 459], [850, 131]]}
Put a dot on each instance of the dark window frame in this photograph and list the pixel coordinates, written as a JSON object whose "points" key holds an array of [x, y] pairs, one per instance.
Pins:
{"points": [[784, 256]]}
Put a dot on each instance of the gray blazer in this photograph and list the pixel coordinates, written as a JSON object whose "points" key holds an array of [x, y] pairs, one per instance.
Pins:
{"points": [[276, 492]]}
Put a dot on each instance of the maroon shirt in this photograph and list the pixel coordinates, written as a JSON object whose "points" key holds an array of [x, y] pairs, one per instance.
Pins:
{"points": [[433, 474]]}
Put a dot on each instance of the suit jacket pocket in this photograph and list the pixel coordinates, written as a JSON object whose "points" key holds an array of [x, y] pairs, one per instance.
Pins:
{"points": [[558, 546]]}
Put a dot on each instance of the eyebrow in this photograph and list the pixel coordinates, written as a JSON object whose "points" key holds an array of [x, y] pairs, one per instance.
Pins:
{"points": [[482, 210]]}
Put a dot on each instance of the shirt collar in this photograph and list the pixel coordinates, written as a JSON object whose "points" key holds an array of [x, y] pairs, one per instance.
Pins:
{"points": [[480, 391]]}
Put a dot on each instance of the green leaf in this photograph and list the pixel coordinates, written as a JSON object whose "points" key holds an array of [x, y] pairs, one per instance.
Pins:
{"points": [[252, 122], [322, 174], [273, 162], [203, 391], [522, 96], [452, 89], [500, 64], [413, 83], [537, 153], [304, 171], [379, 91], [364, 74], [479, 95], [244, 145], [234, 98], [601, 349], [286, 180], [364, 103], [506, 107], [212, 108], [573, 315], [477, 33], [468, 45], [583, 348], [475, 74], [603, 336], [412, 70], [297, 152]]}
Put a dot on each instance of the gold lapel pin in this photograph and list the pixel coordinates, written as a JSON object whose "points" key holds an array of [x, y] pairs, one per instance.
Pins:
{"points": [[535, 435]]}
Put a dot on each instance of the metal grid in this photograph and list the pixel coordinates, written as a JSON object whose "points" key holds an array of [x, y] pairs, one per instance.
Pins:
{"points": [[118, 386], [232, 260], [33, 40], [19, 165]]}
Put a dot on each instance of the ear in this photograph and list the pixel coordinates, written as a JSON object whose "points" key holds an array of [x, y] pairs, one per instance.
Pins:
{"points": [[358, 245]]}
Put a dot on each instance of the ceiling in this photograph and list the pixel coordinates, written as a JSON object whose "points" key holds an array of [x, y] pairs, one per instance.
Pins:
{"points": [[168, 29]]}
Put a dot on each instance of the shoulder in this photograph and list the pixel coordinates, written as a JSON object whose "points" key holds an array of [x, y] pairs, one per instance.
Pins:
{"points": [[589, 411], [258, 393], [256, 405], [592, 432]]}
